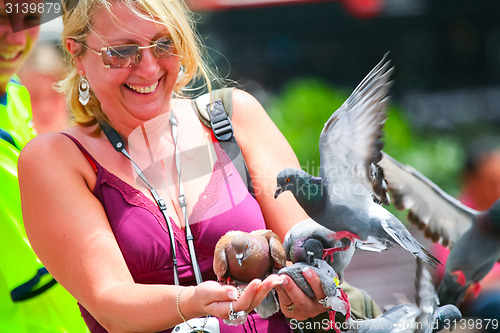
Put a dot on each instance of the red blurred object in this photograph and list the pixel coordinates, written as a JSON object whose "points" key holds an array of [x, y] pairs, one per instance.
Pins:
{"points": [[364, 9], [202, 5]]}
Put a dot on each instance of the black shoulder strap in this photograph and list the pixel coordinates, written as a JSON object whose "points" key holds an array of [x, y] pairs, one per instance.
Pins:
{"points": [[218, 118], [4, 135]]}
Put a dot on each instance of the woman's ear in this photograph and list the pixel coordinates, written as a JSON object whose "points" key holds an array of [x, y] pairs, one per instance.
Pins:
{"points": [[74, 48]]}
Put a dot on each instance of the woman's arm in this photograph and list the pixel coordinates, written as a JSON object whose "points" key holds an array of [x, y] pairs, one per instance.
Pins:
{"points": [[266, 152], [68, 229]]}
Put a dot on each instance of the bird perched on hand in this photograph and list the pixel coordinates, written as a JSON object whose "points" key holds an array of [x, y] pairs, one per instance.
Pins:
{"points": [[243, 256], [473, 236], [342, 198], [308, 240], [433, 317], [336, 299], [240, 257]]}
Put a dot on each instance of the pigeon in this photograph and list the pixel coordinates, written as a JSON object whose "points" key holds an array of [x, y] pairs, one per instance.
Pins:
{"points": [[336, 299], [308, 240], [433, 318], [240, 257], [473, 236], [400, 318], [346, 197]]}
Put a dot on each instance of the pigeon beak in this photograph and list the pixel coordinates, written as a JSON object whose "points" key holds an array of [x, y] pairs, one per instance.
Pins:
{"points": [[239, 257], [279, 190]]}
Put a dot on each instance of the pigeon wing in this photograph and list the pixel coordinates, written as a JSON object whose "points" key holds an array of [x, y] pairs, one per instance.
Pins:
{"points": [[441, 217], [220, 264], [426, 297], [276, 249], [350, 142]]}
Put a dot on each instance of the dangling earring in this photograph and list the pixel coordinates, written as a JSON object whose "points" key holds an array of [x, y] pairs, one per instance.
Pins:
{"points": [[182, 71], [83, 91]]}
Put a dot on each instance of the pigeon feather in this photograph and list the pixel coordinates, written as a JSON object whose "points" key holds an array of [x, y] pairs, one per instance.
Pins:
{"points": [[342, 197], [473, 236]]}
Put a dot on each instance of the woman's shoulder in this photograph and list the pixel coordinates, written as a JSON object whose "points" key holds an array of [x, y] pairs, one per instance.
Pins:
{"points": [[49, 149], [248, 112], [244, 98]]}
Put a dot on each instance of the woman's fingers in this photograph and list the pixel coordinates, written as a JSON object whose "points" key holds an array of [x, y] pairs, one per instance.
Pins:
{"points": [[294, 303], [314, 281], [270, 283]]}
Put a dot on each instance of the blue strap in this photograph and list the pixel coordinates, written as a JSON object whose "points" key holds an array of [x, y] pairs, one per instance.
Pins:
{"points": [[30, 289], [4, 135]]}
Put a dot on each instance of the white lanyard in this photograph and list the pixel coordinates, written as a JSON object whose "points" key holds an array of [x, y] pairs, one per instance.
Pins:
{"points": [[119, 145]]}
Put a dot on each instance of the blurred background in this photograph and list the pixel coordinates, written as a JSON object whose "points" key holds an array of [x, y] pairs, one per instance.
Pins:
{"points": [[302, 59]]}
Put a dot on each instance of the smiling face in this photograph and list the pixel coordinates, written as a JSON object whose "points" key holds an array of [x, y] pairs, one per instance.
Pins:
{"points": [[15, 46], [132, 95]]}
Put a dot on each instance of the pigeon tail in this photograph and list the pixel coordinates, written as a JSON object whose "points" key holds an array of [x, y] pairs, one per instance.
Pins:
{"points": [[428, 257], [268, 306], [398, 232]]}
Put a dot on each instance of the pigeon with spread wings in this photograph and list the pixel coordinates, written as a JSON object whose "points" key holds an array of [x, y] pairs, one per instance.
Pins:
{"points": [[473, 236], [343, 199]]}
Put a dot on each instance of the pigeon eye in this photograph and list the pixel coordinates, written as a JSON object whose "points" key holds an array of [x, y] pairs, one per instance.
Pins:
{"points": [[287, 180]]}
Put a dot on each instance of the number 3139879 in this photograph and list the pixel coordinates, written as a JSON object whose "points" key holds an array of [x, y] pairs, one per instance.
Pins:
{"points": [[471, 324], [32, 8]]}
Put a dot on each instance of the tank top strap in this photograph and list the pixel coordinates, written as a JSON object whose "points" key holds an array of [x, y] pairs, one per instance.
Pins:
{"points": [[84, 151]]}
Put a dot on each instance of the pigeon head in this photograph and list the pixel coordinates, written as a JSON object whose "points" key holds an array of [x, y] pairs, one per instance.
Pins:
{"points": [[305, 249], [300, 183], [446, 314], [313, 250], [240, 246]]}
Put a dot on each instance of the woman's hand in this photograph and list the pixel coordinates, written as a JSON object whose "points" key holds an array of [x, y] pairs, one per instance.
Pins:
{"points": [[294, 303], [212, 298]]}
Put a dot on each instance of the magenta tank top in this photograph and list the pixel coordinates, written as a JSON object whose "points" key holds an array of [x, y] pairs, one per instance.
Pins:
{"points": [[142, 234]]}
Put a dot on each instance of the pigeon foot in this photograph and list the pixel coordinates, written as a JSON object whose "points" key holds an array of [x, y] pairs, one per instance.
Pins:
{"points": [[460, 277]]}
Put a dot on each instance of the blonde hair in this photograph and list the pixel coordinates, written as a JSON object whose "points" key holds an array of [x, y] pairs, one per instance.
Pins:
{"points": [[173, 14]]}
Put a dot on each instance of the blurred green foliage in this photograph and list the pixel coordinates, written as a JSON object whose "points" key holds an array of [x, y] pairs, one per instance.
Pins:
{"points": [[304, 105]]}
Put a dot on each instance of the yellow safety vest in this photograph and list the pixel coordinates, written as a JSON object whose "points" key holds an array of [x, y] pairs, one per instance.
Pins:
{"points": [[30, 299]]}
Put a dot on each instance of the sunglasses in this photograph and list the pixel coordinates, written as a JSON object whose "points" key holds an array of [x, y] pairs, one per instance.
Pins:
{"points": [[123, 56]]}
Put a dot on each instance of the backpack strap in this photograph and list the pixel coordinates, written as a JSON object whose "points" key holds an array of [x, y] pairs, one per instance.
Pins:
{"points": [[218, 118]]}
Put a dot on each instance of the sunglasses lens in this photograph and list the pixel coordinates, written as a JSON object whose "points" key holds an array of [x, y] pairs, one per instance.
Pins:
{"points": [[120, 56], [164, 48]]}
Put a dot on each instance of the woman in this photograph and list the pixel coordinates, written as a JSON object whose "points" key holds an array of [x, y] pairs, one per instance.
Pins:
{"points": [[98, 230]]}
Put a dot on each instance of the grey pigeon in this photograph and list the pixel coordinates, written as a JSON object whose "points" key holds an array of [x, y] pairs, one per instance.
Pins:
{"points": [[400, 318], [308, 240], [433, 318], [336, 299], [240, 257], [342, 198], [473, 236]]}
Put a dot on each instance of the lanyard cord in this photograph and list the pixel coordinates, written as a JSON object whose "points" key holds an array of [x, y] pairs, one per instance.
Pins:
{"points": [[119, 146], [182, 203]]}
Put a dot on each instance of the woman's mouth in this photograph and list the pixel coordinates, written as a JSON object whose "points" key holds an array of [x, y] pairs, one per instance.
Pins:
{"points": [[9, 56], [143, 89]]}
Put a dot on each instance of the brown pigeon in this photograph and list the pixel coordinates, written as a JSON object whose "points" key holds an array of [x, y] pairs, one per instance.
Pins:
{"points": [[241, 256]]}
